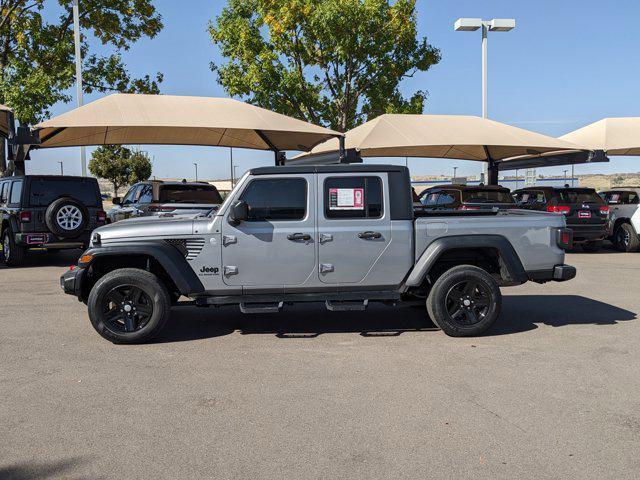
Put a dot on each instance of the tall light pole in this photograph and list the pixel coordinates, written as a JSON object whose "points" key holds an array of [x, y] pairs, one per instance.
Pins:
{"points": [[78, 55], [61, 168], [196, 165], [454, 174], [493, 25], [565, 176]]}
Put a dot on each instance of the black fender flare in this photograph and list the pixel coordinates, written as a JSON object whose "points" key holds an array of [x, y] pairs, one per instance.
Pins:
{"points": [[167, 256], [13, 223], [438, 247]]}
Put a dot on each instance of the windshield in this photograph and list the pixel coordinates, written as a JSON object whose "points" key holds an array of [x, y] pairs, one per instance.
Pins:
{"points": [[578, 196], [189, 194], [43, 191], [486, 196]]}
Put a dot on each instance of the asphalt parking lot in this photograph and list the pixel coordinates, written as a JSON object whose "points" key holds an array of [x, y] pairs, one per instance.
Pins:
{"points": [[553, 391]]}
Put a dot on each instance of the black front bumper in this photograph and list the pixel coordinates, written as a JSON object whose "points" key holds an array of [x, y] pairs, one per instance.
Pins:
{"points": [[71, 282], [559, 273]]}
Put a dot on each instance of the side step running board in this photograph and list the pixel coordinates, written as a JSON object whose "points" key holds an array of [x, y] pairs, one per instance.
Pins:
{"points": [[273, 307], [345, 306]]}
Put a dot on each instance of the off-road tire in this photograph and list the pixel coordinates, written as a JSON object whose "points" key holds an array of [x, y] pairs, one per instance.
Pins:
{"points": [[12, 253], [53, 222], [625, 238], [440, 303], [99, 303]]}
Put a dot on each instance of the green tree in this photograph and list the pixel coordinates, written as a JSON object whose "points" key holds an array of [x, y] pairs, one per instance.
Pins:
{"points": [[120, 165], [331, 62], [37, 50]]}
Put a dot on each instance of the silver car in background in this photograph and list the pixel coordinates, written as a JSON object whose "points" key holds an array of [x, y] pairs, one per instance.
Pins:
{"points": [[157, 197]]}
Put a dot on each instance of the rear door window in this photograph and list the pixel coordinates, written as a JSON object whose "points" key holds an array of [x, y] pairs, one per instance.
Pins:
{"points": [[146, 194], [613, 198], [446, 199], [131, 195], [276, 199], [530, 197], [352, 197], [486, 196], [430, 199], [16, 192], [189, 194], [3, 192], [570, 196], [43, 191]]}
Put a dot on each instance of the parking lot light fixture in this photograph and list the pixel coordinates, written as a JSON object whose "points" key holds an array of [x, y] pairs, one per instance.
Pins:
{"points": [[493, 25]]}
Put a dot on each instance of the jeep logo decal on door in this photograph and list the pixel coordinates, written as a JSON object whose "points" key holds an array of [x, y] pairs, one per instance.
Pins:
{"points": [[210, 270]]}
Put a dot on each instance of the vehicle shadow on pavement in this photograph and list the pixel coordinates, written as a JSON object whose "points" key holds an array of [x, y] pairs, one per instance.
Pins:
{"points": [[521, 313], [299, 321], [39, 259], [41, 470]]}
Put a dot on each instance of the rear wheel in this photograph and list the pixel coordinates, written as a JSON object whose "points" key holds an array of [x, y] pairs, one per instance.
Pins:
{"points": [[465, 301], [12, 253], [129, 305], [592, 246], [625, 238]]}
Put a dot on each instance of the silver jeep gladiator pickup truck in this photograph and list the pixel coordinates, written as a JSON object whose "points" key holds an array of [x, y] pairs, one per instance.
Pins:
{"points": [[344, 235]]}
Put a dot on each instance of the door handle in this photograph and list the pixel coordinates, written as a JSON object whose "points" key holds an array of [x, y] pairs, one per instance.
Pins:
{"points": [[369, 234], [299, 236], [229, 239], [326, 237], [230, 270], [326, 267]]}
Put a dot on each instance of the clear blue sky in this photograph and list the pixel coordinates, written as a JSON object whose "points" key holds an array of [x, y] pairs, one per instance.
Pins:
{"points": [[567, 63]]}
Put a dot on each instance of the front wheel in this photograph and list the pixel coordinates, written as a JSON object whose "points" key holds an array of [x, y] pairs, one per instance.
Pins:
{"points": [[128, 305], [465, 301]]}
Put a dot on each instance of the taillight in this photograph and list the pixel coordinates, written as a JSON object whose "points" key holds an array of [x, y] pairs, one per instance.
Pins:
{"points": [[604, 210], [564, 238], [563, 209], [102, 216], [25, 217], [467, 207]]}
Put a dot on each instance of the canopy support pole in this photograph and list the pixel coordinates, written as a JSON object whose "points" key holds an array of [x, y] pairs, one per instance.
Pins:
{"points": [[343, 152], [492, 169], [280, 157]]}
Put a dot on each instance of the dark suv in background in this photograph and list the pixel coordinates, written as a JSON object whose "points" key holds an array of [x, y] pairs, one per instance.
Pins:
{"points": [[47, 211], [155, 197], [586, 212], [466, 197]]}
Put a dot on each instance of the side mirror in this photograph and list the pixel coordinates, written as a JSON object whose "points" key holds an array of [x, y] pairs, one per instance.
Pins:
{"points": [[238, 212], [116, 201]]}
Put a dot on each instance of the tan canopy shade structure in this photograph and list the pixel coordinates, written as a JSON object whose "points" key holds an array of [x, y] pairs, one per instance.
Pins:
{"points": [[444, 136], [616, 136], [178, 120]]}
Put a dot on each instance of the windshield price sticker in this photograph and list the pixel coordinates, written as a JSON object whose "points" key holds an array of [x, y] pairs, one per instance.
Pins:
{"points": [[346, 199]]}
